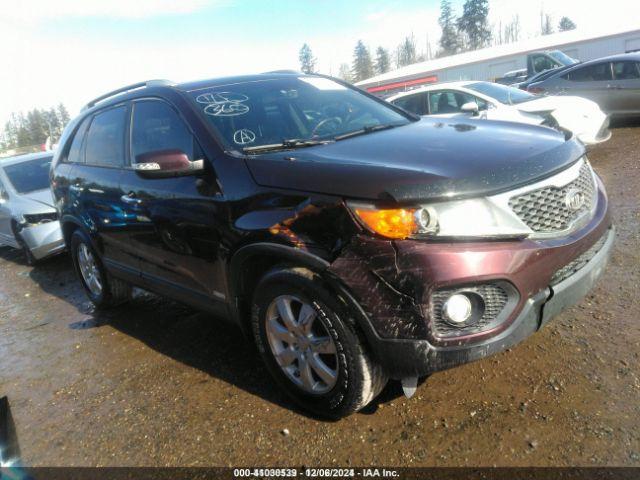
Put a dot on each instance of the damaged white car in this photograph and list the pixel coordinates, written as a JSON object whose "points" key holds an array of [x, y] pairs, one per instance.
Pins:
{"points": [[28, 218], [493, 101]]}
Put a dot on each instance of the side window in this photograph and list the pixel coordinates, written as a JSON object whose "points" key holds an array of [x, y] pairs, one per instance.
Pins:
{"points": [[75, 154], [105, 139], [444, 102], [591, 73], [412, 103], [542, 63], [157, 126], [626, 70]]}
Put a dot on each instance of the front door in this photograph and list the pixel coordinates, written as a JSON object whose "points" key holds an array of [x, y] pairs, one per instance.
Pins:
{"points": [[448, 104], [591, 81], [175, 226]]}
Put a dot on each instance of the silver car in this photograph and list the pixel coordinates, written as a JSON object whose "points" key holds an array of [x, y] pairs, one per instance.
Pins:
{"points": [[28, 218], [612, 82]]}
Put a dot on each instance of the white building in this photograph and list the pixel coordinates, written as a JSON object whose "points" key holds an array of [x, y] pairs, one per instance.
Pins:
{"points": [[492, 62]]}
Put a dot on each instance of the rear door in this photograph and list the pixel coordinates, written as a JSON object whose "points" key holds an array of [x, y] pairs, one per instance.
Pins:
{"points": [[95, 187], [625, 88], [175, 228]]}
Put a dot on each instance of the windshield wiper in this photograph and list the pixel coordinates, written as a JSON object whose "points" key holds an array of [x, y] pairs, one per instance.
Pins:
{"points": [[366, 129], [289, 144]]}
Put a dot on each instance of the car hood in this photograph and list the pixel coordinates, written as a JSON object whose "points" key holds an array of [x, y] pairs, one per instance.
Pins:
{"points": [[42, 198], [427, 160]]}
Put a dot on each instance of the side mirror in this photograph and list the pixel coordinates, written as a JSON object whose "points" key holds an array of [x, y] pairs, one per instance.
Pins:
{"points": [[166, 164], [470, 107], [4, 197]]}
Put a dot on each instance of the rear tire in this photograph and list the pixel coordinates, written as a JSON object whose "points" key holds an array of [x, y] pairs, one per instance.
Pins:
{"points": [[103, 289], [322, 363]]}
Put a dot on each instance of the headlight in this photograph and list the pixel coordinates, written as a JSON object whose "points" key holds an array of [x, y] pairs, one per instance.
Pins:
{"points": [[38, 218], [475, 218]]}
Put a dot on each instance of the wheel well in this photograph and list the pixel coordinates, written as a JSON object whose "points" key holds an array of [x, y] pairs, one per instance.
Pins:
{"points": [[67, 230], [249, 274]]}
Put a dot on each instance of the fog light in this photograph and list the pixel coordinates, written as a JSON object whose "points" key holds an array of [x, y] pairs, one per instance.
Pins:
{"points": [[457, 309]]}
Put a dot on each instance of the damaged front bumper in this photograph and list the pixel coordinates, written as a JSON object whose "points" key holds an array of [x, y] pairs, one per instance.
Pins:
{"points": [[44, 239], [391, 286], [414, 358]]}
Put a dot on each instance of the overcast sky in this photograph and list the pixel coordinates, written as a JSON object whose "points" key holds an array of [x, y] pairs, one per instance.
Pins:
{"points": [[73, 50]]}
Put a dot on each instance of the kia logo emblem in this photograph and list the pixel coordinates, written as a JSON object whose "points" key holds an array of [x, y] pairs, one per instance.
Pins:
{"points": [[574, 199]]}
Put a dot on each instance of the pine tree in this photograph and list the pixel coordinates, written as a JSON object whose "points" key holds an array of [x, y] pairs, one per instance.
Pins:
{"points": [[33, 128], [37, 127], [546, 26], [449, 40], [383, 61], [307, 60], [344, 72], [566, 24], [362, 65], [63, 115], [406, 52], [474, 24]]}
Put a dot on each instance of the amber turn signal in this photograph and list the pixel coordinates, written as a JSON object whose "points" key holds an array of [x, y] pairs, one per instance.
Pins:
{"points": [[396, 223]]}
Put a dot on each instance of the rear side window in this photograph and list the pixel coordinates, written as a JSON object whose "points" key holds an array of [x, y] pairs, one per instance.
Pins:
{"points": [[598, 72], [75, 154], [412, 103], [626, 70], [157, 126], [105, 139]]}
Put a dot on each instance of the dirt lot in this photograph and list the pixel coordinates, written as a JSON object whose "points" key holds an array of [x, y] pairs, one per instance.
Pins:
{"points": [[155, 383]]}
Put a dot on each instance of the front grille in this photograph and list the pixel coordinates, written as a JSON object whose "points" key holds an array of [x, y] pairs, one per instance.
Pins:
{"points": [[545, 210], [572, 267], [495, 298]]}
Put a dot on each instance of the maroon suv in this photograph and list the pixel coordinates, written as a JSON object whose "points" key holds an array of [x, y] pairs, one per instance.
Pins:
{"points": [[351, 240]]}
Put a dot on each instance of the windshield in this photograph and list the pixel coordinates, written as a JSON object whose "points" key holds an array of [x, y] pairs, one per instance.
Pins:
{"points": [[276, 111], [502, 93], [29, 176], [562, 57]]}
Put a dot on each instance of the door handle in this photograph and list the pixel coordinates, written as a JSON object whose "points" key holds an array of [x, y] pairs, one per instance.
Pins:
{"points": [[130, 199]]}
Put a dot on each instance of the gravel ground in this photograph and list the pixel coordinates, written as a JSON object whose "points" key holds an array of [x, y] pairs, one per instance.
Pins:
{"points": [[157, 384]]}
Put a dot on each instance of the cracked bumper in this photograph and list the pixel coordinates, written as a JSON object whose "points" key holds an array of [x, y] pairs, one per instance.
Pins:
{"points": [[404, 358], [395, 314], [43, 240]]}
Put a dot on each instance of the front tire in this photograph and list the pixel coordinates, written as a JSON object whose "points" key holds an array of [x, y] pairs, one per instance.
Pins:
{"points": [[310, 345], [103, 290]]}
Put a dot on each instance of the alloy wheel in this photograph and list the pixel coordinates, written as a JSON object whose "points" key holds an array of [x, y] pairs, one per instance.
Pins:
{"points": [[301, 344], [89, 270]]}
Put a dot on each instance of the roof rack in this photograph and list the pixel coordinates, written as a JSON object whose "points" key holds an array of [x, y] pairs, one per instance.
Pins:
{"points": [[129, 88]]}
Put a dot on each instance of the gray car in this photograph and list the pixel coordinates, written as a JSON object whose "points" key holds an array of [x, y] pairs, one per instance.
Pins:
{"points": [[28, 218], [612, 82]]}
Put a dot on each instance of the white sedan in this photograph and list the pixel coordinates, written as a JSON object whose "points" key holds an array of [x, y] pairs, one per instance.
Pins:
{"points": [[500, 102]]}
